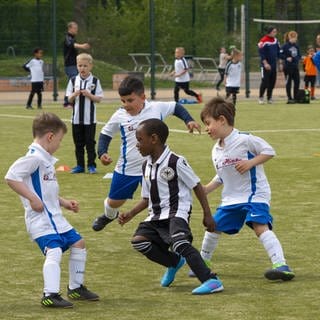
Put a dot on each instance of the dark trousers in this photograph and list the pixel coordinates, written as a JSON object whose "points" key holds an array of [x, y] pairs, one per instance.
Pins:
{"points": [[84, 137], [268, 82], [185, 87], [221, 73], [292, 74], [36, 88]]}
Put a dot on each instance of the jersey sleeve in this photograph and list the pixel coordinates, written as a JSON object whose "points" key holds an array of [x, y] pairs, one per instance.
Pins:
{"points": [[186, 173], [112, 126], [258, 145], [22, 168], [69, 89], [99, 91]]}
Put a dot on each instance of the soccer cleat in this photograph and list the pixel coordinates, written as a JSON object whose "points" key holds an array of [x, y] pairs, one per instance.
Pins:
{"points": [[100, 222], [279, 271], [82, 293], [170, 274], [29, 107], [210, 286], [191, 274], [92, 169], [77, 169], [39, 107], [270, 101], [291, 101], [199, 98], [54, 300]]}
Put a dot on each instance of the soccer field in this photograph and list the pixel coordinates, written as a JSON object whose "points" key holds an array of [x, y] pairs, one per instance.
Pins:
{"points": [[128, 283]]}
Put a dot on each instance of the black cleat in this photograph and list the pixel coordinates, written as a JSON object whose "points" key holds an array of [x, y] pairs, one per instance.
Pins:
{"points": [[54, 300], [82, 293], [100, 222]]}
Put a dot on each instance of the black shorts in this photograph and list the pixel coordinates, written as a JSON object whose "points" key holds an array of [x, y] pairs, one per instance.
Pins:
{"points": [[231, 90], [161, 231], [37, 86]]}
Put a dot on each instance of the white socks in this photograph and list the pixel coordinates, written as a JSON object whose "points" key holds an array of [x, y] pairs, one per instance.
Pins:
{"points": [[77, 263], [51, 271], [273, 246], [209, 243], [109, 212]]}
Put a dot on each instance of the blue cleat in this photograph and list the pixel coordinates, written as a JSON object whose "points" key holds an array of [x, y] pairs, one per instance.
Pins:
{"points": [[279, 271], [92, 169], [77, 169], [208, 287], [170, 274]]}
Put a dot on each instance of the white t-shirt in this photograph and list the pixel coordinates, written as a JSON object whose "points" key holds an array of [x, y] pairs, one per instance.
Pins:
{"points": [[130, 159], [37, 171], [179, 66], [233, 74], [36, 70], [251, 186]]}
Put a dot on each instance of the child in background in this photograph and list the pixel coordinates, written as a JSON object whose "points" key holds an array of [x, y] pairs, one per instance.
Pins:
{"points": [[223, 60], [233, 75], [182, 77], [166, 191], [33, 178], [35, 67], [238, 160], [84, 91], [310, 70]]}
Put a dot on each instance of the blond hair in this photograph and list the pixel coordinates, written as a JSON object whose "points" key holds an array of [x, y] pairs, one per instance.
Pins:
{"points": [[85, 56]]}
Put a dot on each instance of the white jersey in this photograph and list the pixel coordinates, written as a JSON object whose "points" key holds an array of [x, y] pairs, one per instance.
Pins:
{"points": [[36, 70], [179, 66], [223, 60], [84, 111], [130, 159], [168, 184], [252, 186], [233, 74], [37, 171]]}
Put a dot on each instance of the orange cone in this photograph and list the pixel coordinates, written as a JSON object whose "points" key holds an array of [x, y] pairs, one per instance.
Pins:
{"points": [[63, 168]]}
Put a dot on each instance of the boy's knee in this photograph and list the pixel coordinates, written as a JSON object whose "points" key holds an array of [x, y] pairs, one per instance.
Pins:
{"points": [[141, 244]]}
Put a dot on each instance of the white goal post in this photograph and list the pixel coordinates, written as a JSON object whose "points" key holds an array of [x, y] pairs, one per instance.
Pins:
{"points": [[286, 21]]}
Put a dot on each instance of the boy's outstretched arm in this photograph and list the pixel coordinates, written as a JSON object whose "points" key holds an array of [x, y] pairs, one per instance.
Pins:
{"points": [[207, 217], [182, 113], [127, 216]]}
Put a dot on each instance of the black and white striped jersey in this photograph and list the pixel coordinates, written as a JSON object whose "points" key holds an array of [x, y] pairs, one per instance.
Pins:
{"points": [[168, 184]]}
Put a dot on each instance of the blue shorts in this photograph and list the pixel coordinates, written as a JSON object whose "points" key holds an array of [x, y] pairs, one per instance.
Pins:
{"points": [[123, 186], [230, 219], [58, 240]]}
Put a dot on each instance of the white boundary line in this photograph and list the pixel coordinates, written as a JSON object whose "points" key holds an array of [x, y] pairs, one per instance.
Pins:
{"points": [[3, 115]]}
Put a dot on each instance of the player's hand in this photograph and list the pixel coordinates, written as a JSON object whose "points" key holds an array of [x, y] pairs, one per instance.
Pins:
{"points": [[124, 217], [243, 166], [86, 46], [73, 205], [105, 159], [193, 125], [208, 222], [36, 204]]}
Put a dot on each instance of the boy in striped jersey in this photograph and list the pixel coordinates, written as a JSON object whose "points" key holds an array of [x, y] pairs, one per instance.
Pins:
{"points": [[127, 173], [166, 191], [83, 92]]}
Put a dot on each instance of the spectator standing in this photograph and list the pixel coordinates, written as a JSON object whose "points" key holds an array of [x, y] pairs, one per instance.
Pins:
{"points": [[290, 55], [35, 67], [269, 50], [70, 52], [310, 70], [223, 60]]}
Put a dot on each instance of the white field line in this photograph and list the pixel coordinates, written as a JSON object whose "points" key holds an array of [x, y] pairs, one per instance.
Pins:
{"points": [[178, 130]]}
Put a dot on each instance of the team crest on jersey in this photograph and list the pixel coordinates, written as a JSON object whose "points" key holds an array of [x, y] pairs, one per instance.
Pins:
{"points": [[167, 173], [92, 86]]}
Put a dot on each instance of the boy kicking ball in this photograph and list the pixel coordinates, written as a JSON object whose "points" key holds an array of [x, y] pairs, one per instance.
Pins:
{"points": [[166, 191]]}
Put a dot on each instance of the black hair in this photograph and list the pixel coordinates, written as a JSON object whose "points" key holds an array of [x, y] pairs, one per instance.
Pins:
{"points": [[155, 126], [269, 29], [130, 85], [36, 50]]}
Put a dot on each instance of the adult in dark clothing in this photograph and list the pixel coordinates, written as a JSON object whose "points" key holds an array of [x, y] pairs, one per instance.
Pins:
{"points": [[70, 52], [290, 55], [269, 50]]}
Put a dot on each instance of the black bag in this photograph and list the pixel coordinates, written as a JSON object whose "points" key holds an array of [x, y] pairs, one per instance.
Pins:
{"points": [[303, 96]]}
